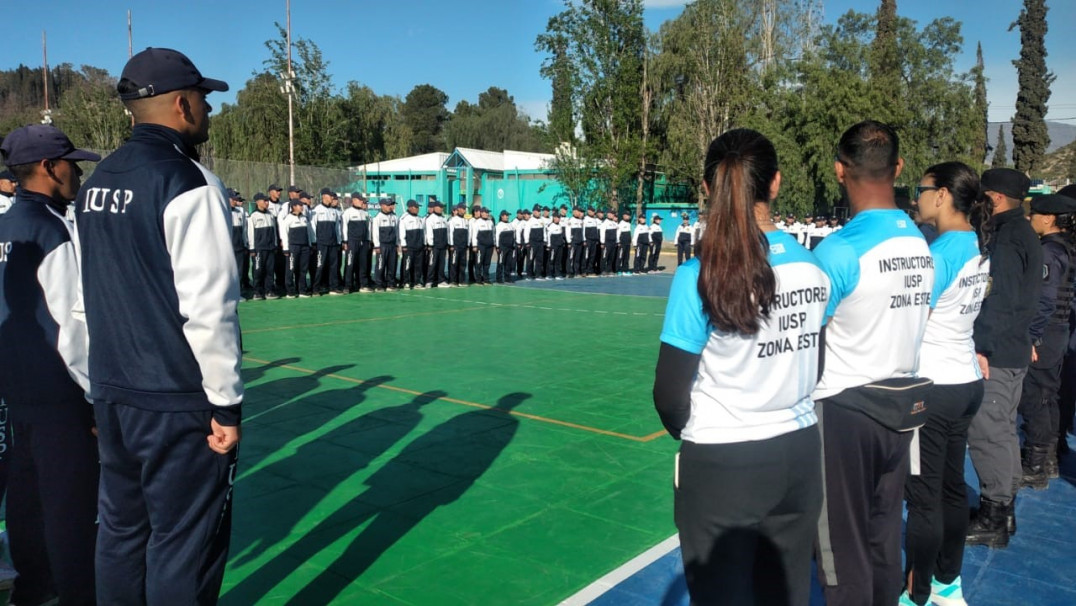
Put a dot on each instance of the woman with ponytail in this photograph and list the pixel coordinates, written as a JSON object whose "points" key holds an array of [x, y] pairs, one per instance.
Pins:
{"points": [[738, 361], [949, 199]]}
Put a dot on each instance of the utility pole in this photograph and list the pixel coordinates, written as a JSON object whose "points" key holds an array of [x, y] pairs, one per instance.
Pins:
{"points": [[46, 114], [289, 90], [130, 38]]}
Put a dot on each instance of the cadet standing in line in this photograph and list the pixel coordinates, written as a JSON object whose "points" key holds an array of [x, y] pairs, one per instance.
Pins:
{"points": [[641, 241], [576, 237], [555, 242], [482, 243], [437, 245], [326, 222], [1003, 350], [386, 230], [160, 296], [412, 237], [624, 242], [459, 242], [240, 246], [472, 254], [1052, 219], [52, 497], [685, 241], [296, 237], [506, 249], [534, 238], [262, 235], [278, 209], [609, 234], [519, 255], [7, 191], [592, 241], [656, 237], [356, 222]]}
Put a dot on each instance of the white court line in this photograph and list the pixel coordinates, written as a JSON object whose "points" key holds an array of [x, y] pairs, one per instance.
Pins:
{"points": [[596, 589]]}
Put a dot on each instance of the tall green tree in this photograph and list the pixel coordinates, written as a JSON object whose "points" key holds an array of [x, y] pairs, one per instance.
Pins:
{"points": [[603, 43], [91, 113], [1001, 151], [494, 124], [885, 66], [425, 114], [980, 142], [1029, 134]]}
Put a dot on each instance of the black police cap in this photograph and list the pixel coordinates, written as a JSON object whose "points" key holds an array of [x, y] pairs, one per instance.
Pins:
{"points": [[1053, 204], [1012, 183], [160, 70]]}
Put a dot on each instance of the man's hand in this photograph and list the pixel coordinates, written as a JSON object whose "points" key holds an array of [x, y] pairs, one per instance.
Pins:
{"points": [[223, 438], [984, 365], [1034, 354]]}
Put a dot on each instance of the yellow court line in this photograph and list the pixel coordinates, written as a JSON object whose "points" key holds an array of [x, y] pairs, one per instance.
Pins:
{"points": [[524, 415]]}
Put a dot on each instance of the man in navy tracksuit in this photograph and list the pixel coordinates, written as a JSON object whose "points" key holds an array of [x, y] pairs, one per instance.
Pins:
{"points": [[161, 293], [52, 495], [326, 222], [262, 236]]}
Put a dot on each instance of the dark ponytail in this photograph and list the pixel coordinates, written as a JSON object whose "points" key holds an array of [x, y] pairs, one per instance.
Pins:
{"points": [[968, 198], [736, 282]]}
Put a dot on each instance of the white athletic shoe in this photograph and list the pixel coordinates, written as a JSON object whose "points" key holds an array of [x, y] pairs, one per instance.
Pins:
{"points": [[947, 595]]}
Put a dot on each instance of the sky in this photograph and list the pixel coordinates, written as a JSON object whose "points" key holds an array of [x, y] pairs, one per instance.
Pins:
{"points": [[462, 48]]}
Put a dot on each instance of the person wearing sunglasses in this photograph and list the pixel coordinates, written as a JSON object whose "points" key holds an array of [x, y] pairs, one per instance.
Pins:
{"points": [[948, 199]]}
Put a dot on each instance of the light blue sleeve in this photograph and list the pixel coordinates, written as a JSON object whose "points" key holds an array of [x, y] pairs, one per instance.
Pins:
{"points": [[841, 263], [686, 325], [944, 271]]}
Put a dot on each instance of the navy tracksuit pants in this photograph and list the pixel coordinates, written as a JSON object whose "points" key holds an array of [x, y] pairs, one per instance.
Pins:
{"points": [[165, 507], [51, 510]]}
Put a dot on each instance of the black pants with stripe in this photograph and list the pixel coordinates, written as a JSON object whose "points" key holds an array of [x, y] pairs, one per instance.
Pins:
{"points": [[264, 271], [435, 271], [457, 260], [295, 275], [937, 495], [328, 272], [165, 507], [592, 262], [385, 274], [52, 510], [747, 513], [864, 468]]}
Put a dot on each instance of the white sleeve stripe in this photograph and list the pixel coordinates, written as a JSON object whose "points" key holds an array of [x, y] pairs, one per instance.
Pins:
{"points": [[207, 286], [58, 275]]}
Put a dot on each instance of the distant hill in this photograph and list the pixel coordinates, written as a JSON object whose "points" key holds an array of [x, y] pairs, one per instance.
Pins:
{"points": [[1057, 168], [1061, 134]]}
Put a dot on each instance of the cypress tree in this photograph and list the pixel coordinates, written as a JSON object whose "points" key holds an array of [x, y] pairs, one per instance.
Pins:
{"points": [[1029, 134], [980, 142], [885, 67], [1000, 151]]}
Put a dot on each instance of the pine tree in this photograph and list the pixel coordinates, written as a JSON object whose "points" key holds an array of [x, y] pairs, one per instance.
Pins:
{"points": [[981, 106], [1000, 151], [885, 66], [1029, 134]]}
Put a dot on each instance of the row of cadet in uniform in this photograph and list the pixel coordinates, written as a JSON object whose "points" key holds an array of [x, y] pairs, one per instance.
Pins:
{"points": [[297, 248]]}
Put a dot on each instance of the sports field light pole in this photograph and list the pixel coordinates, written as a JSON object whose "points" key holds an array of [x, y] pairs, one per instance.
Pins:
{"points": [[289, 90], [46, 114]]}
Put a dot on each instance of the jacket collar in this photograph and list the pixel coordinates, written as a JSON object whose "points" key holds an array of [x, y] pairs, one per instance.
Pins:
{"points": [[24, 196], [157, 132], [1009, 215]]}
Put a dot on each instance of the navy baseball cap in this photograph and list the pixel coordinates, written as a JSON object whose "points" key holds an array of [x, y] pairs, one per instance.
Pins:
{"points": [[160, 70], [297, 202], [325, 191], [388, 201], [260, 196], [412, 204], [232, 193], [304, 195], [356, 194], [293, 189], [8, 176], [437, 204], [275, 187], [526, 211], [38, 142], [504, 213], [461, 206], [537, 207]]}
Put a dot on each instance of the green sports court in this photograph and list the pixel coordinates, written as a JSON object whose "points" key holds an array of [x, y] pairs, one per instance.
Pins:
{"points": [[481, 445]]}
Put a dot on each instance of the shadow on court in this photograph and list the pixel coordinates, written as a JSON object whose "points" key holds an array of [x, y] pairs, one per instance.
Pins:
{"points": [[332, 414], [359, 523]]}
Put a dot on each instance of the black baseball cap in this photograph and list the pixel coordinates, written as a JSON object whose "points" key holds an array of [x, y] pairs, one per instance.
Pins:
{"points": [[160, 70], [275, 187], [38, 142], [1011, 183]]}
